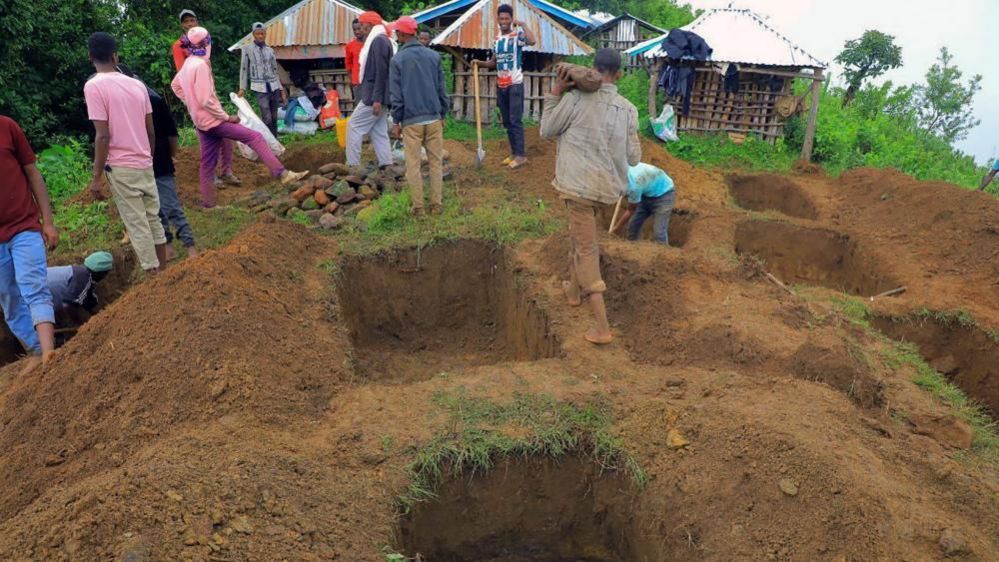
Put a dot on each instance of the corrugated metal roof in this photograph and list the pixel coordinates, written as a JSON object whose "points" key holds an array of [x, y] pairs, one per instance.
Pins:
{"points": [[310, 22], [571, 18], [739, 36], [627, 20], [477, 29], [567, 16], [440, 10]]}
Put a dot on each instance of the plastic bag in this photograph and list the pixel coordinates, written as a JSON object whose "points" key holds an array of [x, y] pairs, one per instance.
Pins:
{"points": [[248, 118], [330, 112], [664, 126], [299, 128]]}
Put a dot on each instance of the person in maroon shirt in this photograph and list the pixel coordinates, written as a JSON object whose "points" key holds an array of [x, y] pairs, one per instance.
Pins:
{"points": [[24, 293]]}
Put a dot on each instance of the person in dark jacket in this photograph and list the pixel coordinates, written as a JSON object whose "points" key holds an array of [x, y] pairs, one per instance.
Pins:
{"points": [[370, 115], [419, 104]]}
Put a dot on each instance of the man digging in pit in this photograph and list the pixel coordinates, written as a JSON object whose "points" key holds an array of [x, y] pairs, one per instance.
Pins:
{"points": [[597, 143]]}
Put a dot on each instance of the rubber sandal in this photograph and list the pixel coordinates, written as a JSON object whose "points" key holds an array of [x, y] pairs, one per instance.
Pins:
{"points": [[598, 341], [506, 161], [514, 165]]}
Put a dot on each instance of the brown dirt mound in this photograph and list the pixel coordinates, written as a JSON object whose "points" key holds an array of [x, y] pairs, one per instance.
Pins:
{"points": [[835, 364], [211, 337]]}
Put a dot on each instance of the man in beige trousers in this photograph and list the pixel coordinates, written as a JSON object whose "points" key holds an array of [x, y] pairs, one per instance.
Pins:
{"points": [[597, 143], [420, 103]]}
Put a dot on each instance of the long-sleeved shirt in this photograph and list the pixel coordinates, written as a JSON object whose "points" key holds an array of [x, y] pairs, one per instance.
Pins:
{"points": [[597, 142], [180, 55], [417, 89], [258, 69], [352, 60], [195, 85], [375, 82]]}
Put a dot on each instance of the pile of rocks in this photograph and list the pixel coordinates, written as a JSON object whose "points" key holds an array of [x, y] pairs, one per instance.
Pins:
{"points": [[335, 195]]}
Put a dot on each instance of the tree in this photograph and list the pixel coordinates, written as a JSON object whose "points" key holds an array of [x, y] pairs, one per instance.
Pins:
{"points": [[868, 57], [664, 13], [944, 103]]}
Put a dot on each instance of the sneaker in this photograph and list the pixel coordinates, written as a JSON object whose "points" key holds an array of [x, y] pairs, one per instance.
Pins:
{"points": [[219, 183], [288, 176], [231, 179]]}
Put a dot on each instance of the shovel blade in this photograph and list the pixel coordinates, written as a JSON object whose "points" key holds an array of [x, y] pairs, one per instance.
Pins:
{"points": [[480, 157]]}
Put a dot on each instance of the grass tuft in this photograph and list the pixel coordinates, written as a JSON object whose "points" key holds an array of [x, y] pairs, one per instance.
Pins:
{"points": [[479, 432]]}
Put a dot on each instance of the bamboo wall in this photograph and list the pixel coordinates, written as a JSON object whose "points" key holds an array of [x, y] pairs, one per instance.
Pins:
{"points": [[340, 79], [752, 110]]}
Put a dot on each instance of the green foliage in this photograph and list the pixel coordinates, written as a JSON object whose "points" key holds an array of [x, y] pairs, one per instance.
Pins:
{"points": [[944, 103], [479, 432], [868, 57], [66, 170], [666, 14]]}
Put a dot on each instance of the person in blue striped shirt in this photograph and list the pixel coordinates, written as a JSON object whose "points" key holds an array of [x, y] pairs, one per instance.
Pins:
{"points": [[508, 60]]}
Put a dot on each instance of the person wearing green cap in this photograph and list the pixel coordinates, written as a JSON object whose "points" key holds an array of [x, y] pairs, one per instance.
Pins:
{"points": [[74, 288]]}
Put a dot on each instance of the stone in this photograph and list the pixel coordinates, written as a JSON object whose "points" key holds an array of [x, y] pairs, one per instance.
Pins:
{"points": [[374, 180], [281, 206], [173, 495], [259, 198], [218, 388], [335, 168], [369, 192], [327, 168], [303, 193], [367, 214], [355, 181], [321, 182], [395, 171], [338, 189], [953, 544], [315, 214], [675, 439], [788, 486], [332, 207], [330, 222], [347, 197], [310, 204], [947, 430], [321, 198]]}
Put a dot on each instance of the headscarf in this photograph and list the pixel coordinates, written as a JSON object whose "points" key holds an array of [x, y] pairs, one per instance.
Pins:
{"points": [[374, 18], [199, 42]]}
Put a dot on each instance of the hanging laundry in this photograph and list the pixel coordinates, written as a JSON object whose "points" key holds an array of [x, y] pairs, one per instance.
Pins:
{"points": [[732, 79]]}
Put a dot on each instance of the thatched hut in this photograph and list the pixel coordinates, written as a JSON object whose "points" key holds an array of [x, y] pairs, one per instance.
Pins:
{"points": [[308, 39], [767, 63], [467, 31]]}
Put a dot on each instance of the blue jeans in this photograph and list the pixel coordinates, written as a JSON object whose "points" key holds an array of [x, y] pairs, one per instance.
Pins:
{"points": [[171, 213], [24, 290], [511, 103], [659, 207], [289, 113]]}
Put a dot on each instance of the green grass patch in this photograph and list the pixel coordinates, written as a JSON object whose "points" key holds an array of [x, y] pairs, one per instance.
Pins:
{"points": [[479, 432], [216, 228], [854, 309], [390, 224], [465, 132]]}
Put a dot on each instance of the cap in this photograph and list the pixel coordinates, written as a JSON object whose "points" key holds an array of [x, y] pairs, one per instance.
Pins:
{"points": [[99, 262], [406, 24], [256, 25], [373, 18], [185, 13]]}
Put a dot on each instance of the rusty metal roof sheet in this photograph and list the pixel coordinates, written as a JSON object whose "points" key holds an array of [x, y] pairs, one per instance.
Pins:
{"points": [[310, 22], [477, 29], [739, 36]]}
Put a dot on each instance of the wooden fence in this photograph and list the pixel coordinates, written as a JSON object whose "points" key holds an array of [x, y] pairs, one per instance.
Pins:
{"points": [[752, 110], [339, 79], [536, 85]]}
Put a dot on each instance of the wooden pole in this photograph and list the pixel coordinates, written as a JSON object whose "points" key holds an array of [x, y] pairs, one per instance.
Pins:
{"points": [[653, 87], [813, 114]]}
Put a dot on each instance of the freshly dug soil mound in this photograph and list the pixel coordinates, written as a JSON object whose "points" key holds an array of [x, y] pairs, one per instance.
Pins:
{"points": [[527, 510], [681, 223], [416, 313], [797, 254], [209, 338], [834, 364], [768, 192]]}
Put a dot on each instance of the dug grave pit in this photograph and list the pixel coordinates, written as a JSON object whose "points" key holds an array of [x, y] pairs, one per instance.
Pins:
{"points": [[771, 193], [813, 256], [964, 353], [415, 313], [530, 510]]}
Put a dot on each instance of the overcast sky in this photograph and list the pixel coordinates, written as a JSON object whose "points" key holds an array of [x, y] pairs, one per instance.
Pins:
{"points": [[920, 27]]}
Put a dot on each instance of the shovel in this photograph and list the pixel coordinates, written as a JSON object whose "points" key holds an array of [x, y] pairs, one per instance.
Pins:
{"points": [[480, 154]]}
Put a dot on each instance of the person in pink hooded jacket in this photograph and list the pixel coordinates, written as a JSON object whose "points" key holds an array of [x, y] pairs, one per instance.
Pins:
{"points": [[195, 86]]}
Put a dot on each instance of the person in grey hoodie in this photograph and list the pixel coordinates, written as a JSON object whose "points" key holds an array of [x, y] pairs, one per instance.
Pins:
{"points": [[259, 68], [420, 103]]}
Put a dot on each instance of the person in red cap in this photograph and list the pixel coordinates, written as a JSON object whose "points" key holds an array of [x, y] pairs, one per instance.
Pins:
{"points": [[352, 56], [370, 115], [420, 103]]}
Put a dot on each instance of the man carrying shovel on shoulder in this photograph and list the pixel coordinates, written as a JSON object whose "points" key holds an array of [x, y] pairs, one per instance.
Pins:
{"points": [[597, 143]]}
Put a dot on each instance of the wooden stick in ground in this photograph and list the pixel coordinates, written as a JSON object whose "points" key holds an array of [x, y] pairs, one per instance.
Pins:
{"points": [[617, 209], [891, 293], [777, 282]]}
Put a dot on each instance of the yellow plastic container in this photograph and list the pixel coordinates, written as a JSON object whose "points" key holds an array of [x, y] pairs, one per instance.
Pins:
{"points": [[341, 131]]}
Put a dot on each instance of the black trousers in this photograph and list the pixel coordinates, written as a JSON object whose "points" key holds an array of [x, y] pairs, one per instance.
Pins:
{"points": [[511, 104]]}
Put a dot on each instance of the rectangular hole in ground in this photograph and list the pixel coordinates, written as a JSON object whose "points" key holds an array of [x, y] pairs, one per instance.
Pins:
{"points": [[813, 256], [681, 223], [415, 313], [768, 192]]}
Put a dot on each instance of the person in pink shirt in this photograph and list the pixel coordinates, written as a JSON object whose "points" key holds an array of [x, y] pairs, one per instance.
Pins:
{"points": [[195, 85], [121, 112]]}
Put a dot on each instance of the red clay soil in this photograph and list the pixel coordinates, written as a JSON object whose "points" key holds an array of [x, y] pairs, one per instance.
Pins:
{"points": [[218, 412]]}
